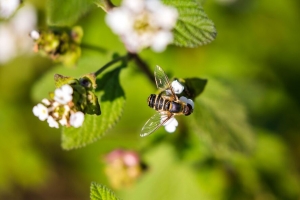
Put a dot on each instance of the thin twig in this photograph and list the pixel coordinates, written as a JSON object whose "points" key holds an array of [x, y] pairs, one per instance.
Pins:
{"points": [[143, 66], [99, 71], [94, 48]]}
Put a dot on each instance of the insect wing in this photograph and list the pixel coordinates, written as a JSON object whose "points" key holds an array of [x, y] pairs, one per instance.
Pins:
{"points": [[163, 83], [154, 123], [161, 79]]}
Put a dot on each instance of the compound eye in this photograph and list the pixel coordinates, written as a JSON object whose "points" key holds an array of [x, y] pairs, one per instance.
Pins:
{"points": [[189, 110]]}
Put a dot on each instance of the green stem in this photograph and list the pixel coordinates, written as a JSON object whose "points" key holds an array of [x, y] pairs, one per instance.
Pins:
{"points": [[107, 65], [94, 48], [143, 66]]}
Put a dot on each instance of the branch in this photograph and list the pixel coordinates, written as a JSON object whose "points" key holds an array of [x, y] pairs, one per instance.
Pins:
{"points": [[143, 66]]}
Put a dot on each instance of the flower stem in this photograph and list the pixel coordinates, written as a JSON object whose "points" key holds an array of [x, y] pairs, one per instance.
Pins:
{"points": [[106, 5], [107, 65], [94, 48], [143, 66]]}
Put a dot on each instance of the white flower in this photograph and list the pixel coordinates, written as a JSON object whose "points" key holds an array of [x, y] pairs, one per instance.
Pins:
{"points": [[8, 7], [52, 123], [76, 119], [14, 32], [188, 101], [171, 125], [40, 111], [34, 35], [63, 95], [46, 102], [177, 87], [63, 121], [143, 23], [8, 47]]}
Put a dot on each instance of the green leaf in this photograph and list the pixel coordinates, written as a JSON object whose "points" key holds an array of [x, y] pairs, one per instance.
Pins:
{"points": [[193, 87], [112, 101], [221, 120], [168, 178], [105, 4], [101, 192], [193, 27], [67, 12]]}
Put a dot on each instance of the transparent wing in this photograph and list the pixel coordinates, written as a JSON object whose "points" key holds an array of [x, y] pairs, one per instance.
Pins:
{"points": [[162, 81], [155, 122]]}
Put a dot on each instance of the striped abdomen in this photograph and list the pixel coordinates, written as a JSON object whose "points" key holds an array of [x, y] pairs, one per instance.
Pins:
{"points": [[158, 103]]}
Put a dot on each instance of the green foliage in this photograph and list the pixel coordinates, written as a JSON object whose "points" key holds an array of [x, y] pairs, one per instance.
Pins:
{"points": [[221, 120], [110, 95], [193, 27], [193, 86], [104, 4], [112, 101], [66, 13], [83, 93], [101, 192], [165, 177]]}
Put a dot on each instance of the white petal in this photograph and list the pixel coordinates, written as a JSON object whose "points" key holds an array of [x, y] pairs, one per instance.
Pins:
{"points": [[40, 111], [27, 12], [36, 111], [161, 40], [8, 48], [134, 5], [171, 125], [76, 119], [177, 87], [186, 100], [8, 7], [170, 129], [166, 17], [63, 121], [67, 89], [119, 20], [63, 95], [46, 102], [52, 123], [172, 122], [132, 42], [34, 35]]}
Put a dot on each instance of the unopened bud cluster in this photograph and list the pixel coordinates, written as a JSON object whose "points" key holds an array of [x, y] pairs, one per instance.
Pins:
{"points": [[60, 110], [123, 167], [59, 45]]}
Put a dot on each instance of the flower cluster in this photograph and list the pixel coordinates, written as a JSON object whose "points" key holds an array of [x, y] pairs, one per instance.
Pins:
{"points": [[60, 109], [13, 31], [8, 7], [143, 23], [123, 167], [59, 45], [170, 126]]}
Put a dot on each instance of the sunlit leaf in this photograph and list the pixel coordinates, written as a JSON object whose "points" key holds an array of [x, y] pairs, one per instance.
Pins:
{"points": [[193, 86], [66, 13], [109, 92], [104, 4], [221, 120], [112, 100], [101, 192], [193, 27]]}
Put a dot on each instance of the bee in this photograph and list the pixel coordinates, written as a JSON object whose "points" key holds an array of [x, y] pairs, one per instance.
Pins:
{"points": [[166, 103]]}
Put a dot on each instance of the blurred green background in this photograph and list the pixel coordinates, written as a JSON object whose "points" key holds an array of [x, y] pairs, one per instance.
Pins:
{"points": [[255, 56]]}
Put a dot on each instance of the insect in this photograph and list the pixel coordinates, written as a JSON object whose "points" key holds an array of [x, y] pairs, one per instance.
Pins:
{"points": [[165, 103]]}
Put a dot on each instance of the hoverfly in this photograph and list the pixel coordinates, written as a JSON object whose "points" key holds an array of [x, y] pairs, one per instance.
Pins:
{"points": [[165, 103]]}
